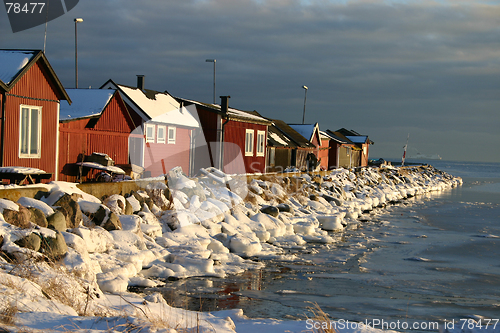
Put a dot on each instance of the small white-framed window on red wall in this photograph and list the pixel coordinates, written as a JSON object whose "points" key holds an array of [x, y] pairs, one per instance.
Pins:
{"points": [[150, 133], [261, 142], [249, 142], [171, 134], [161, 134], [30, 131]]}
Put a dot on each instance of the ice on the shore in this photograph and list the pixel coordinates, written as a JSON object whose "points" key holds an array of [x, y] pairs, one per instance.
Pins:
{"points": [[209, 230]]}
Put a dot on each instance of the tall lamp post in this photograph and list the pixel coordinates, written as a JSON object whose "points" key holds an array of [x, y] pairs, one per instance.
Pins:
{"points": [[214, 61], [77, 20], [305, 97]]}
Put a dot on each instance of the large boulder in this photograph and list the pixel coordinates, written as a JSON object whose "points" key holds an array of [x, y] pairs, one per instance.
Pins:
{"points": [[116, 203], [68, 205], [270, 210], [100, 215], [57, 221], [38, 217], [54, 248], [32, 242], [20, 217], [112, 222], [129, 210]]}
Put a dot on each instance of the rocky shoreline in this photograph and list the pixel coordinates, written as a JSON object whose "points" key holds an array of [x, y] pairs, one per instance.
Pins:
{"points": [[214, 225]]}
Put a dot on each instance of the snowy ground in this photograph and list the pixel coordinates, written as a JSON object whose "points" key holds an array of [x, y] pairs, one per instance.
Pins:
{"points": [[194, 228]]}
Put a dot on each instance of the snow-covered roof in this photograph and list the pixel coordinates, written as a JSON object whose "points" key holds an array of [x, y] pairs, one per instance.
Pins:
{"points": [[163, 108], [12, 62], [357, 138], [333, 137], [21, 170], [306, 130], [232, 112], [242, 114], [280, 139], [98, 166], [86, 102]]}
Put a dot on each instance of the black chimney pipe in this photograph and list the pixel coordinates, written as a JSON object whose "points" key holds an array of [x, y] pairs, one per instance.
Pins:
{"points": [[140, 82], [224, 106]]}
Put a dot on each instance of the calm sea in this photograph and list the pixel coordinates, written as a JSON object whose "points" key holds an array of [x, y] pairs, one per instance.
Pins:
{"points": [[430, 258]]}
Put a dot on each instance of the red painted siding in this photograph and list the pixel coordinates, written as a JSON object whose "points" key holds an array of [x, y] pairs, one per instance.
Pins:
{"points": [[323, 154], [38, 87], [235, 160], [159, 158], [116, 117]]}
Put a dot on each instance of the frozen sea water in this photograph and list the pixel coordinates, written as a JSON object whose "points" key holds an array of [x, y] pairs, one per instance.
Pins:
{"points": [[430, 258]]}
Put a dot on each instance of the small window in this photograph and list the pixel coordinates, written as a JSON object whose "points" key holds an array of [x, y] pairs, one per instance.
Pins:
{"points": [[249, 142], [150, 133], [171, 135], [30, 131], [261, 142], [161, 134]]}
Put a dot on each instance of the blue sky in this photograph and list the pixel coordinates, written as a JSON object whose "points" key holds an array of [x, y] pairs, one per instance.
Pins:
{"points": [[382, 68]]}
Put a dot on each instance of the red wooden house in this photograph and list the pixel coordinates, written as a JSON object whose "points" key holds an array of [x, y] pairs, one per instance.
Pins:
{"points": [[339, 150], [30, 93], [232, 140], [362, 142], [96, 122], [164, 134]]}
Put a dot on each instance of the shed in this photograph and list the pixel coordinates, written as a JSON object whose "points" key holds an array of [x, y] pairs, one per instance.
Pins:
{"points": [[361, 141], [336, 147], [348, 154], [30, 95], [97, 121]]}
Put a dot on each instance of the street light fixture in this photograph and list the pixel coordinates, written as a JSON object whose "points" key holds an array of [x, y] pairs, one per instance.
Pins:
{"points": [[305, 97], [214, 61], [77, 20]]}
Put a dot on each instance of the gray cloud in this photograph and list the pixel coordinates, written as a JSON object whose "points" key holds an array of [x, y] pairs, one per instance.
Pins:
{"points": [[385, 69]]}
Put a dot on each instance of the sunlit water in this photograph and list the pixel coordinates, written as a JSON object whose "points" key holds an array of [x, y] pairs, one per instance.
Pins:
{"points": [[430, 258]]}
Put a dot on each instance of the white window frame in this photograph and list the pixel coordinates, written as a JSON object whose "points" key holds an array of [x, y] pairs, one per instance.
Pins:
{"points": [[171, 129], [261, 143], [161, 134], [149, 138], [249, 140], [26, 152]]}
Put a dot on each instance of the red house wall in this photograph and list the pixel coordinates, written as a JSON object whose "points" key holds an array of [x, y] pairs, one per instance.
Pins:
{"points": [[116, 117], [36, 85], [235, 132], [159, 158], [323, 154]]}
